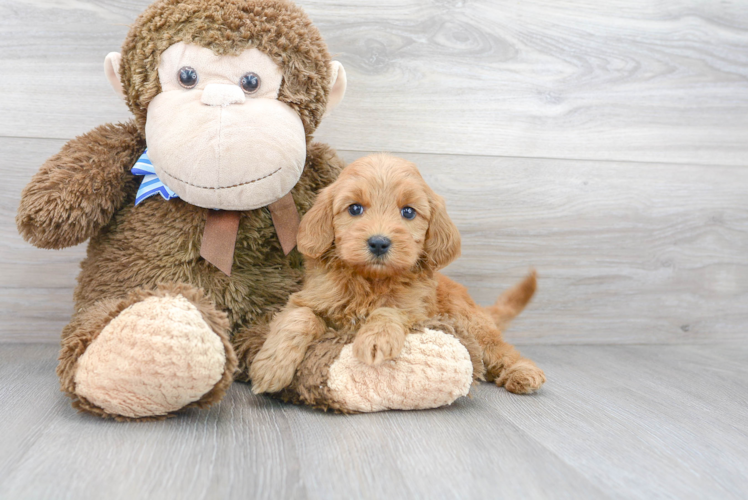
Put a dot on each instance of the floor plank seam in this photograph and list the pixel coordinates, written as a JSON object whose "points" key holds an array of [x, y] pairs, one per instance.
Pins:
{"points": [[472, 155], [550, 158]]}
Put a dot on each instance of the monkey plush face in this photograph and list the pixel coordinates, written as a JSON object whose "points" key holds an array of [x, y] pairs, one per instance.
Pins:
{"points": [[227, 94], [217, 134]]}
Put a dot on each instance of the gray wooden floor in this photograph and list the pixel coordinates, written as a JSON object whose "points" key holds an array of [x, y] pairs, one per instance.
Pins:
{"points": [[615, 422], [604, 143]]}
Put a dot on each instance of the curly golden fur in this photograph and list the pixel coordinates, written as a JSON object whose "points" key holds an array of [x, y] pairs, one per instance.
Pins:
{"points": [[352, 283]]}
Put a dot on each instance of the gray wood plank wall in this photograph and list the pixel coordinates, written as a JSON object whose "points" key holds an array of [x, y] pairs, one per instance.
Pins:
{"points": [[604, 143]]}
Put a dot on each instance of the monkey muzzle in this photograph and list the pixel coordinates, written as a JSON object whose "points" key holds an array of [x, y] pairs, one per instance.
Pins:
{"points": [[217, 148]]}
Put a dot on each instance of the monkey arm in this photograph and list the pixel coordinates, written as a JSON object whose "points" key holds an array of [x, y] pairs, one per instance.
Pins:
{"points": [[77, 191]]}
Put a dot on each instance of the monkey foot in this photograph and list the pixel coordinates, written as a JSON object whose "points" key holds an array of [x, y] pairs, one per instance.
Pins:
{"points": [[433, 369], [157, 356]]}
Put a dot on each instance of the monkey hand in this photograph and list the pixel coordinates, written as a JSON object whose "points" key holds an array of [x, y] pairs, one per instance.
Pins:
{"points": [[76, 192]]}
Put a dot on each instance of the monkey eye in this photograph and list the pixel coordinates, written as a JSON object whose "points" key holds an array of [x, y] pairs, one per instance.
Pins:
{"points": [[250, 83], [408, 213], [355, 210], [187, 77]]}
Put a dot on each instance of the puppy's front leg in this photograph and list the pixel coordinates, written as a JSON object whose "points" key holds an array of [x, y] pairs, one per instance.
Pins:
{"points": [[291, 332], [382, 336]]}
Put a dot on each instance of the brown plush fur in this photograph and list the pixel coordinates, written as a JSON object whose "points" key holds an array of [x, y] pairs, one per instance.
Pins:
{"points": [[159, 242], [87, 325], [78, 190], [278, 28], [348, 288], [87, 190]]}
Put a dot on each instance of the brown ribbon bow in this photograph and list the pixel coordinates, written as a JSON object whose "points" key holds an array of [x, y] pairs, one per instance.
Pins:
{"points": [[222, 226]]}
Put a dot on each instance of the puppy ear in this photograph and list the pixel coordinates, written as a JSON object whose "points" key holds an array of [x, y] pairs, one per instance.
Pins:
{"points": [[316, 232], [443, 242]]}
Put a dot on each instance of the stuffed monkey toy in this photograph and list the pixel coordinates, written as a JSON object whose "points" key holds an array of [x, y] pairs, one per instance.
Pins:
{"points": [[191, 211]]}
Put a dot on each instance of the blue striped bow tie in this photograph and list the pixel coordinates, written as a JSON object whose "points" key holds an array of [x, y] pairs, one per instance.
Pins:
{"points": [[151, 183]]}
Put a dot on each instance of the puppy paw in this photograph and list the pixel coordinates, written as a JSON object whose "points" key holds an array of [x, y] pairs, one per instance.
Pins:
{"points": [[522, 377], [291, 332], [270, 372], [378, 342]]}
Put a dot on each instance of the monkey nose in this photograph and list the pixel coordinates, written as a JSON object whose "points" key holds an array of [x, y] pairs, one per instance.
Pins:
{"points": [[222, 94]]}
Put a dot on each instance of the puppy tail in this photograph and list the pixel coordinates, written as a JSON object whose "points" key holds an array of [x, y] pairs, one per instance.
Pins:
{"points": [[513, 301]]}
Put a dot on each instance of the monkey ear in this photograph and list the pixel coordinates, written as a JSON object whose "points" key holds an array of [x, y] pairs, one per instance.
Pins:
{"points": [[111, 69], [316, 232], [443, 242], [337, 87]]}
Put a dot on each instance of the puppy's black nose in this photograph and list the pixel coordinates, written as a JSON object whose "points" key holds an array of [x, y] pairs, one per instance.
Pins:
{"points": [[379, 245]]}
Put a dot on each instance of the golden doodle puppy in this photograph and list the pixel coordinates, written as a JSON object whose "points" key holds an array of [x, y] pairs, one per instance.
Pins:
{"points": [[373, 242]]}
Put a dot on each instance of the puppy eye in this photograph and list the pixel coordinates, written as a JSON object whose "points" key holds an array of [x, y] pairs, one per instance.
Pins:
{"points": [[355, 210], [250, 83], [408, 213], [187, 77]]}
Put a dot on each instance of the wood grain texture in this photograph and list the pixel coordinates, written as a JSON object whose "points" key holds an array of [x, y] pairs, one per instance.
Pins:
{"points": [[603, 143], [635, 417], [36, 285], [663, 81], [612, 422], [627, 253]]}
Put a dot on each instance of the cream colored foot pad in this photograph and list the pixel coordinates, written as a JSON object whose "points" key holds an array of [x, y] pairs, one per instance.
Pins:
{"points": [[157, 356], [433, 370]]}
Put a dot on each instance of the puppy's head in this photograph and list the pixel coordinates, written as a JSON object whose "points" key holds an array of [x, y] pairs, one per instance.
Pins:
{"points": [[381, 218]]}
